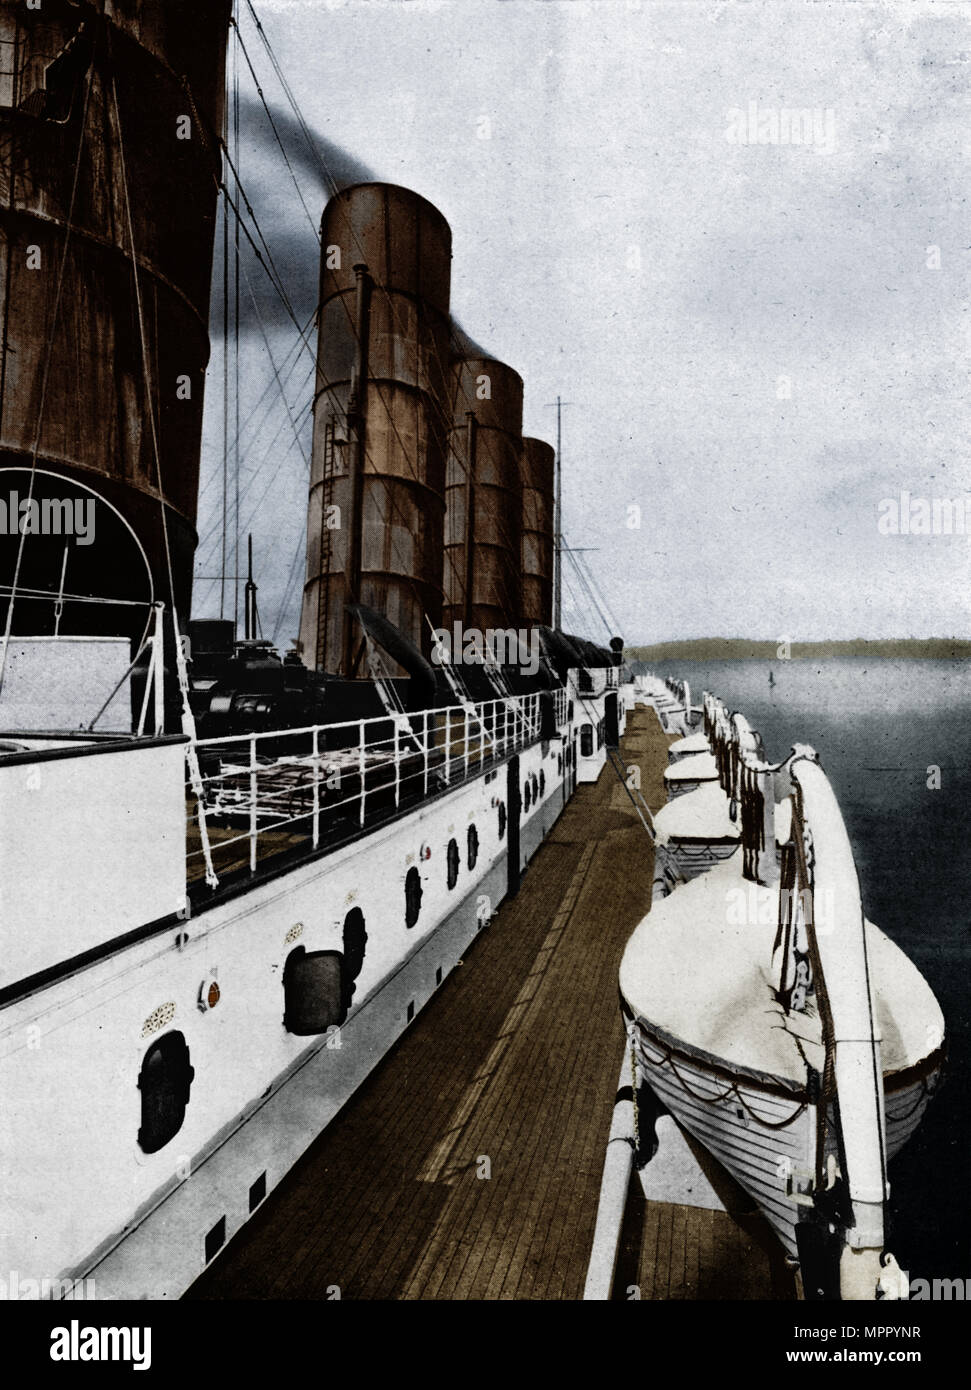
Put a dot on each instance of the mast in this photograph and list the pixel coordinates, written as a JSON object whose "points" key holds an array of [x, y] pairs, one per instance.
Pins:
{"points": [[249, 611]]}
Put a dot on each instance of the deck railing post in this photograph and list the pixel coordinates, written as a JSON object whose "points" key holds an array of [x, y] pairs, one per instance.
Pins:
{"points": [[362, 765], [397, 767], [316, 758], [768, 870], [466, 740], [158, 671], [424, 743], [252, 804], [448, 747]]}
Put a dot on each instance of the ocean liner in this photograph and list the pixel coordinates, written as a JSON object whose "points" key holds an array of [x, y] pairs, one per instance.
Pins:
{"points": [[230, 880]]}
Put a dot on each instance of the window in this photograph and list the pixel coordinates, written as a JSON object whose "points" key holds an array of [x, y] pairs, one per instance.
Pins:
{"points": [[542, 782], [473, 846], [527, 795], [502, 819], [452, 862], [586, 741], [412, 896], [164, 1081]]}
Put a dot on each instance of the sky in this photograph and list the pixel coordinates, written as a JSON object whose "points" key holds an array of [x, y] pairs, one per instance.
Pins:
{"points": [[759, 319]]}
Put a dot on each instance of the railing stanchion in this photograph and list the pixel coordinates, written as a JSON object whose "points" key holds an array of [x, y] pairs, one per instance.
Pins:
{"points": [[424, 740], [252, 804], [362, 764], [397, 767], [448, 747], [466, 740], [316, 757]]}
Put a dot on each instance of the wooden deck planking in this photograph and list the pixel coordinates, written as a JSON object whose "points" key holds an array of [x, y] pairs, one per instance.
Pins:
{"points": [[516, 1058]]}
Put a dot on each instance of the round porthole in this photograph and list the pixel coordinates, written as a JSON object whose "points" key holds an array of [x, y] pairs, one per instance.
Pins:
{"points": [[473, 846], [452, 861], [502, 819]]}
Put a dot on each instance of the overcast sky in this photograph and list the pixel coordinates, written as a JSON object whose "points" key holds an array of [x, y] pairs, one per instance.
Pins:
{"points": [[759, 342]]}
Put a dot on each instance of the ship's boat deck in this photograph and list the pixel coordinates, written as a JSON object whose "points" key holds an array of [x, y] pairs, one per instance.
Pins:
{"points": [[514, 1061]]}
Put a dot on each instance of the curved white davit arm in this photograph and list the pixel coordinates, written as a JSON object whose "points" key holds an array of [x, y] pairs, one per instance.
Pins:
{"points": [[852, 1035]]}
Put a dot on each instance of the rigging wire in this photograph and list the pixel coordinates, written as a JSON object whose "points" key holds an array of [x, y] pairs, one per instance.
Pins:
{"points": [[448, 420], [286, 158], [48, 358], [294, 351]]}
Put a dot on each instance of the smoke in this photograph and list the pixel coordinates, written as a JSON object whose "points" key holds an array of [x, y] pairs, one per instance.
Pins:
{"points": [[465, 346], [287, 197], [283, 228], [288, 212], [327, 166]]}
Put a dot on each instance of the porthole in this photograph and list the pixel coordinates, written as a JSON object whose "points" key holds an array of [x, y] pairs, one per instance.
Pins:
{"points": [[542, 782], [354, 941], [452, 863], [164, 1081], [559, 764], [473, 846], [314, 992], [502, 819], [527, 795], [586, 741], [412, 896]]}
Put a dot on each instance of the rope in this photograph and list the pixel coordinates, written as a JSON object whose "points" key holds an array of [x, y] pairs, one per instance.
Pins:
{"points": [[925, 1090], [635, 1085], [668, 1060]]}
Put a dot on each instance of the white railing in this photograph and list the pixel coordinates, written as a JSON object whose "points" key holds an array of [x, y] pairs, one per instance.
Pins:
{"points": [[261, 793]]}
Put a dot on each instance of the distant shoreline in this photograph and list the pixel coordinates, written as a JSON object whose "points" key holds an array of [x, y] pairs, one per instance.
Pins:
{"points": [[743, 649]]}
